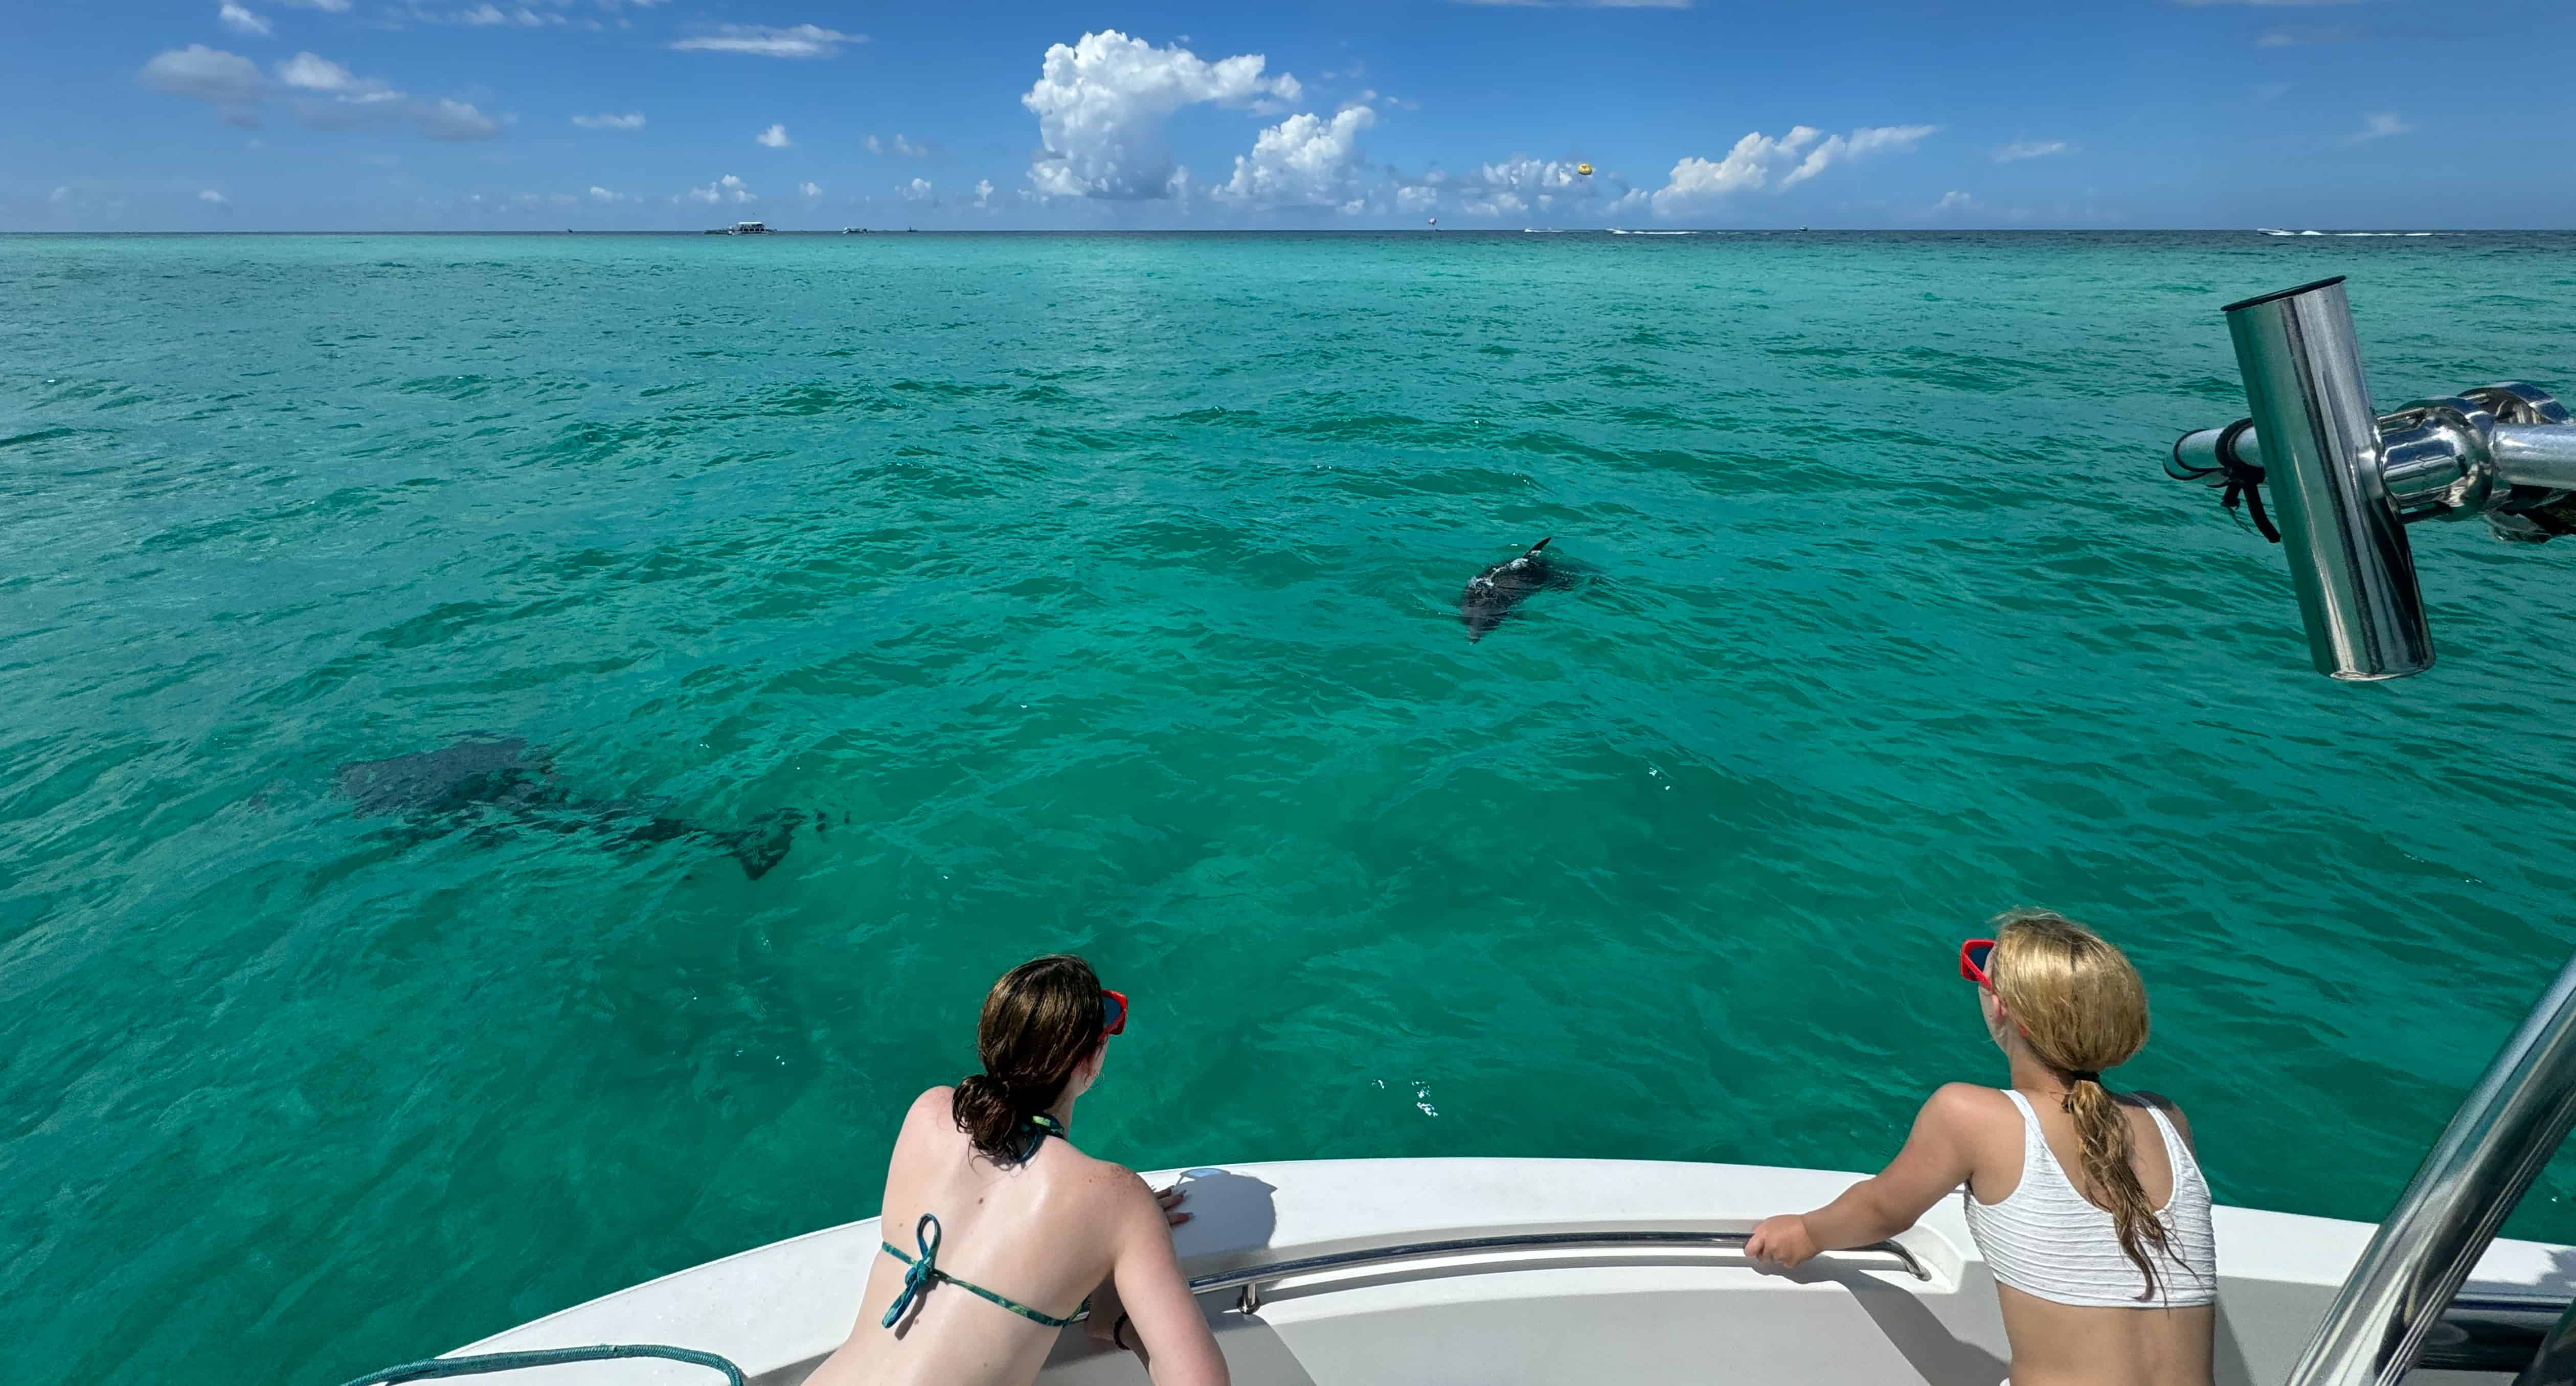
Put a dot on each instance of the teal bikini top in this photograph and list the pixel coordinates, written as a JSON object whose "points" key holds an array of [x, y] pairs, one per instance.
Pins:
{"points": [[922, 1270]]}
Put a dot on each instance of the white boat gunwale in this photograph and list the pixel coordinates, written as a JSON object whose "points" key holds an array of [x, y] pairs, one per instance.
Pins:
{"points": [[778, 1309]]}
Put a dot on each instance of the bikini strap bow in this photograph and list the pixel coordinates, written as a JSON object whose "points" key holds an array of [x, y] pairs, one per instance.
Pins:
{"points": [[924, 1269]]}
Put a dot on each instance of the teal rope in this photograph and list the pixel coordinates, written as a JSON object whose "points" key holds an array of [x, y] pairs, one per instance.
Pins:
{"points": [[546, 1357]]}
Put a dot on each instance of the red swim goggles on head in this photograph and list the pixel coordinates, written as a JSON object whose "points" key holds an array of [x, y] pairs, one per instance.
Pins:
{"points": [[1113, 1012], [1972, 961]]}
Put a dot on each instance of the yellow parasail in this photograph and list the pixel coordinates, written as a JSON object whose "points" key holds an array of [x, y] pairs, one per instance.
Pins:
{"points": [[1584, 169]]}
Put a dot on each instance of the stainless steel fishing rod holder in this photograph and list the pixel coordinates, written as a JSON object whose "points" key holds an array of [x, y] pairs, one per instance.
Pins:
{"points": [[2347, 480]]}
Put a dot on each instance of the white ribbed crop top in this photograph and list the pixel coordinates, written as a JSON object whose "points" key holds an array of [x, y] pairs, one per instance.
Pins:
{"points": [[2045, 1239]]}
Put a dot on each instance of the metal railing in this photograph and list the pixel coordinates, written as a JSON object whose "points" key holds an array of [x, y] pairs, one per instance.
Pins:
{"points": [[2505, 1130], [1250, 1279]]}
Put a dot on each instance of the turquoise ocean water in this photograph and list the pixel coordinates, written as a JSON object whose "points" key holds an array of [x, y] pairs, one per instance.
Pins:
{"points": [[1098, 593]]}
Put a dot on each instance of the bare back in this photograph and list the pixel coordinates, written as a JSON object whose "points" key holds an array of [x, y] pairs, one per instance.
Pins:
{"points": [[1045, 1233], [2058, 1344]]}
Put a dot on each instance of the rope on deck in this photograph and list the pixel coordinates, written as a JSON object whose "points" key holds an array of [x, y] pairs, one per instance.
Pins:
{"points": [[546, 1357]]}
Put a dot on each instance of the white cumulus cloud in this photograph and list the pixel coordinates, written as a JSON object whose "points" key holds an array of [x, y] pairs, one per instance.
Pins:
{"points": [[983, 192], [210, 195], [489, 15], [1511, 187], [766, 41], [334, 98], [633, 120], [241, 21], [726, 188], [1101, 103], [1758, 161], [1303, 161], [898, 146], [1860, 143], [456, 120], [2381, 125], [313, 72], [2031, 149], [918, 190], [600, 194], [775, 137], [326, 6], [810, 189], [228, 81]]}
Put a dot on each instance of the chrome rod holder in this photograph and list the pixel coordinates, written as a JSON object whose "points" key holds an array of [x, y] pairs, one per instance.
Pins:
{"points": [[2505, 1130], [2347, 480]]}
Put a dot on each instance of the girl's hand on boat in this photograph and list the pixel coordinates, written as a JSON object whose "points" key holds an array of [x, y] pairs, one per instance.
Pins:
{"points": [[1783, 1239], [1171, 1199]]}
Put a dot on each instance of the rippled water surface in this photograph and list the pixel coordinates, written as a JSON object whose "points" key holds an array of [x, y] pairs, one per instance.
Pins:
{"points": [[1099, 593]]}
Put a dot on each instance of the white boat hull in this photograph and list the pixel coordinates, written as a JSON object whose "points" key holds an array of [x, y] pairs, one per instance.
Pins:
{"points": [[1531, 1316]]}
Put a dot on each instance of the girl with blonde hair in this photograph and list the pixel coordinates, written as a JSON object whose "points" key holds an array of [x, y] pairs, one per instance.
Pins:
{"points": [[2088, 1205]]}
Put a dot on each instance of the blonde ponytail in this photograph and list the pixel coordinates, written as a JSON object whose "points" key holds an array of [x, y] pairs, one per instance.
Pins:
{"points": [[2082, 1008], [2104, 1134]]}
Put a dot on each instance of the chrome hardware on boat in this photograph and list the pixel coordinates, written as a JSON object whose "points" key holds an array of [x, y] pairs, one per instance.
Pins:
{"points": [[1248, 1282], [2487, 1157], [2347, 480]]}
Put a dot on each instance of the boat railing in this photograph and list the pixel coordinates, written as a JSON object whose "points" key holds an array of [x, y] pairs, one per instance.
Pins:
{"points": [[2403, 1287], [1249, 1281], [2480, 1333]]}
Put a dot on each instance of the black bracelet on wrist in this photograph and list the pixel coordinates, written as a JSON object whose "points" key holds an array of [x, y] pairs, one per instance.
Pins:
{"points": [[1118, 1334]]}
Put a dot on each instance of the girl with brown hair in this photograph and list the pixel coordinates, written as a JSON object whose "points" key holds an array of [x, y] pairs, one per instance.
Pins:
{"points": [[999, 1231], [2088, 1206]]}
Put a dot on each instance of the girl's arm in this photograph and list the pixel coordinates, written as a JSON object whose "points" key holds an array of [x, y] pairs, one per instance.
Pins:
{"points": [[1936, 1159], [1164, 1323], [1108, 1324]]}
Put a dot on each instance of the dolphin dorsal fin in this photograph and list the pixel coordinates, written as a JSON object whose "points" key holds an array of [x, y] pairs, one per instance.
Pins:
{"points": [[1534, 548]]}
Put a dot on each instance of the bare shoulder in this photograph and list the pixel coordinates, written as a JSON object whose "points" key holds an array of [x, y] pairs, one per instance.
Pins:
{"points": [[935, 1107], [2166, 1105], [1980, 1122], [1967, 1107], [1111, 1191]]}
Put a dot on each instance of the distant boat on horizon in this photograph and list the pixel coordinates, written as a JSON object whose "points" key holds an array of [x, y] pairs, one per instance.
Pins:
{"points": [[2277, 231]]}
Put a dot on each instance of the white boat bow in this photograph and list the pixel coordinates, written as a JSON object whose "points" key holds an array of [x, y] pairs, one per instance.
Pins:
{"points": [[1568, 1286]]}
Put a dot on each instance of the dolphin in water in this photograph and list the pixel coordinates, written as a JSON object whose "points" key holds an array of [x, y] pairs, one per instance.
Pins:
{"points": [[484, 775], [1491, 594]]}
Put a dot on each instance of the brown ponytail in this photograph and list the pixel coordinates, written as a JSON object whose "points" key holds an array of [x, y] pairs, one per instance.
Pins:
{"points": [[1040, 1022], [2082, 1008]]}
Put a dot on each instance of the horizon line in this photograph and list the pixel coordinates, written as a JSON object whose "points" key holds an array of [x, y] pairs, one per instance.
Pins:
{"points": [[2276, 233]]}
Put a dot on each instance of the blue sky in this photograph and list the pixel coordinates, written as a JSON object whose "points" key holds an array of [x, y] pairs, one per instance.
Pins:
{"points": [[546, 114]]}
